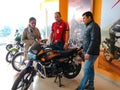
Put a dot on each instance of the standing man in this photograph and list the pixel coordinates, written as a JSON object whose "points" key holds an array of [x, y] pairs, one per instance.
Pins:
{"points": [[60, 33], [91, 48], [30, 34]]}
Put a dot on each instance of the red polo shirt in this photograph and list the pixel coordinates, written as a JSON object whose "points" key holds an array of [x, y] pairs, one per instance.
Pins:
{"points": [[59, 29]]}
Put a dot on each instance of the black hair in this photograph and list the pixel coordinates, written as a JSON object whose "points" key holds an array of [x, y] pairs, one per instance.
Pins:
{"points": [[58, 13], [31, 18], [87, 14]]}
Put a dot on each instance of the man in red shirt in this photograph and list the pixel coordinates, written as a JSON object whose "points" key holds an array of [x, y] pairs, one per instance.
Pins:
{"points": [[60, 33]]}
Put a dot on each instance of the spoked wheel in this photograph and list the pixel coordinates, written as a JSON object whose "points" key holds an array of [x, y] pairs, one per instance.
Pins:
{"points": [[25, 79], [10, 55], [72, 69], [18, 61], [107, 55]]}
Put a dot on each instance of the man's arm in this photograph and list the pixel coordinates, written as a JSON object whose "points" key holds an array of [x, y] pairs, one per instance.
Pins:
{"points": [[66, 33], [66, 37]]}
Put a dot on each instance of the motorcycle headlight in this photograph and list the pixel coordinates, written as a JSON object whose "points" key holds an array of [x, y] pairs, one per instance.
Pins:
{"points": [[31, 56]]}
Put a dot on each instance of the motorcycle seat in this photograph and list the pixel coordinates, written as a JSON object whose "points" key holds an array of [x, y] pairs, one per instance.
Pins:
{"points": [[66, 52]]}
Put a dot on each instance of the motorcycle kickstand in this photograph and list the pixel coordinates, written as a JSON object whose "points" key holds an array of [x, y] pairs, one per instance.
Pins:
{"points": [[59, 75]]}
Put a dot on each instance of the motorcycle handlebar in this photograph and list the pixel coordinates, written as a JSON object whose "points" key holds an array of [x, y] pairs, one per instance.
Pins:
{"points": [[43, 41]]}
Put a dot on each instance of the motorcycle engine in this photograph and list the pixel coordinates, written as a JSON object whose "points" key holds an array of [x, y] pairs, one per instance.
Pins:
{"points": [[51, 69], [78, 59]]}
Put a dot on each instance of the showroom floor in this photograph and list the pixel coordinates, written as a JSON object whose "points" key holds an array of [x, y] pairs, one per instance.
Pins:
{"points": [[8, 75]]}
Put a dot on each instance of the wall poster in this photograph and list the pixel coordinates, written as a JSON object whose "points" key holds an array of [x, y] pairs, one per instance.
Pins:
{"points": [[75, 10], [110, 25]]}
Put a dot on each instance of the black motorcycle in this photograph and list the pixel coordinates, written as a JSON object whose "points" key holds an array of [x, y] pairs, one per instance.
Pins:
{"points": [[49, 63], [111, 45]]}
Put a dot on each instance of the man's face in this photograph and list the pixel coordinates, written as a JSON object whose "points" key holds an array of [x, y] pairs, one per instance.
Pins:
{"points": [[32, 23], [86, 19], [57, 17]]}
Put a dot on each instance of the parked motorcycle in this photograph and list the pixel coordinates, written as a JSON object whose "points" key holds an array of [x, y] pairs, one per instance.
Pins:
{"points": [[12, 51], [49, 63], [111, 45], [17, 40]]}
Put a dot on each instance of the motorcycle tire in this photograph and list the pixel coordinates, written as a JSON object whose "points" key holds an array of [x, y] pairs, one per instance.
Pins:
{"points": [[9, 46], [24, 80], [18, 62], [72, 71], [10, 55]]}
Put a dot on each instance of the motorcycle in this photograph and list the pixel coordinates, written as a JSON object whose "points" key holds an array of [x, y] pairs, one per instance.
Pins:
{"points": [[17, 40], [111, 45], [49, 63], [12, 51]]}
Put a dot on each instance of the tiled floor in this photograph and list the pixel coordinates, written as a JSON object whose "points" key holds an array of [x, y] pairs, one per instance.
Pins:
{"points": [[7, 77]]}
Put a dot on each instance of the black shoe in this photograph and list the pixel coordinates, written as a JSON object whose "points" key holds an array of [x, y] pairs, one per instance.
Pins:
{"points": [[89, 88]]}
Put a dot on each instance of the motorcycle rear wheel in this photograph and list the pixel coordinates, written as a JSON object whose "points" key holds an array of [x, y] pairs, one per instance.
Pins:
{"points": [[73, 70], [25, 79]]}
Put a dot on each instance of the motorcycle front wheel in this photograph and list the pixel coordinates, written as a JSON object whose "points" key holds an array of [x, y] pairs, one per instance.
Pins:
{"points": [[18, 62], [71, 69], [25, 79]]}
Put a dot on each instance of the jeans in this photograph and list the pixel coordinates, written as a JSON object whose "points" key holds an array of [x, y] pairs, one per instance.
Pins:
{"points": [[88, 72]]}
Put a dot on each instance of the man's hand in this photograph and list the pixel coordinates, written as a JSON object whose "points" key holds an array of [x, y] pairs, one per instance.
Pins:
{"points": [[87, 56], [38, 41], [66, 46]]}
